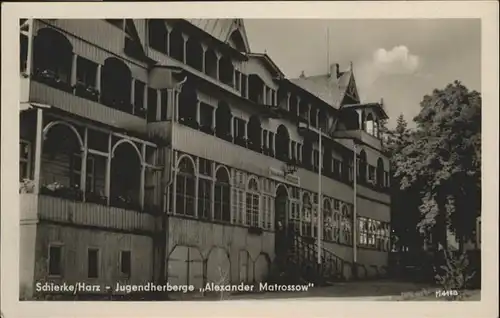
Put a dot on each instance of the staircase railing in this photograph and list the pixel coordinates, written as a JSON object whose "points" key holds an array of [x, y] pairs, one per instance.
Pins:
{"points": [[305, 254]]}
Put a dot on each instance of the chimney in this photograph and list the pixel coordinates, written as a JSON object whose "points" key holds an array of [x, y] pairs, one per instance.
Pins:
{"points": [[334, 70], [302, 74]]}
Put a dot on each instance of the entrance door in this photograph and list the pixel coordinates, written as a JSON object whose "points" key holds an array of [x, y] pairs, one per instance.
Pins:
{"points": [[281, 219]]}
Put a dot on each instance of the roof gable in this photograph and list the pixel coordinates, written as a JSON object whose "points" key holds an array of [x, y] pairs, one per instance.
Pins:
{"points": [[269, 63], [224, 31]]}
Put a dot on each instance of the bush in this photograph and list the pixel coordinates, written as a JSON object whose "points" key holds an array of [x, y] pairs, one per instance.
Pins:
{"points": [[455, 273]]}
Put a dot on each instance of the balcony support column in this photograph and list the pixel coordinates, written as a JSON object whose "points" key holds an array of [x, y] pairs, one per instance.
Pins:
{"points": [[246, 86], [169, 30], [203, 67], [264, 95], [132, 95], [108, 170], [217, 73], [198, 104], [185, 39], [83, 173], [98, 79], [38, 150], [196, 190], [231, 128], [143, 175], [73, 69], [213, 119]]}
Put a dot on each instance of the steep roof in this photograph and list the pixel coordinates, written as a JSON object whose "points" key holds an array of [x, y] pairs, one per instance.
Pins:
{"points": [[221, 29], [329, 88]]}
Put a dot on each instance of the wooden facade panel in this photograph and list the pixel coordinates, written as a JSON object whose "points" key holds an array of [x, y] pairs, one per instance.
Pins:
{"points": [[44, 94], [90, 214], [75, 244]]}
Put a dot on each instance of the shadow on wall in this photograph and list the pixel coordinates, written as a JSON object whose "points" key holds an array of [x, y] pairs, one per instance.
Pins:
{"points": [[187, 266]]}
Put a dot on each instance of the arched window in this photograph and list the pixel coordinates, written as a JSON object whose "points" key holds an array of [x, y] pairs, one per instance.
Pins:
{"points": [[194, 53], [369, 127], [306, 215], [157, 35], [188, 102], [52, 58], [185, 188], [253, 203], [176, 49], [254, 133], [125, 177], [362, 166], [327, 221], [222, 196], [223, 118], [211, 67], [380, 173], [116, 82], [226, 71], [282, 143]]}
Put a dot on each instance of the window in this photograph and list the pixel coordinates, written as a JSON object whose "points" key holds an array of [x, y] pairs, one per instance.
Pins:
{"points": [[267, 209], [363, 233], [92, 263], [206, 117], [265, 139], [204, 198], [164, 105], [346, 223], [185, 188], [271, 143], [327, 221], [244, 85], [371, 174], [239, 127], [55, 260], [238, 199], [337, 168], [373, 234], [315, 159], [237, 83], [336, 205], [294, 150], [76, 172], [205, 167], [126, 263], [86, 72], [138, 95], [24, 160], [306, 215], [152, 104], [222, 196], [252, 203]]}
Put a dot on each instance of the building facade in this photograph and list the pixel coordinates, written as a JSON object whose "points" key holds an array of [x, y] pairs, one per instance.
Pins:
{"points": [[166, 150]]}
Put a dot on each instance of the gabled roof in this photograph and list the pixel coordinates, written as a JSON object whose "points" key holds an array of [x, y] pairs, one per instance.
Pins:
{"points": [[329, 88], [269, 63], [221, 29]]}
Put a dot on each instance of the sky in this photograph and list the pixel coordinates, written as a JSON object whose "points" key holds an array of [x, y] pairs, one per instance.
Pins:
{"points": [[399, 60]]}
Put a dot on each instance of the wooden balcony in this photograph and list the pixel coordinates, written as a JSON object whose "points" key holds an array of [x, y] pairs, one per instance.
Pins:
{"points": [[360, 136], [86, 214], [45, 94]]}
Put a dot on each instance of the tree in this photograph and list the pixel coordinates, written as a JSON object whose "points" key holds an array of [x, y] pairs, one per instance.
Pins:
{"points": [[443, 160], [404, 202]]}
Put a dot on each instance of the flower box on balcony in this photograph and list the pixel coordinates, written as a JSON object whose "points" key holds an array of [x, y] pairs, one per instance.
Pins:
{"points": [[140, 112], [86, 91], [60, 191], [97, 198], [255, 147], [124, 202], [240, 141], [225, 136], [207, 129], [255, 230], [51, 78], [190, 122]]}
